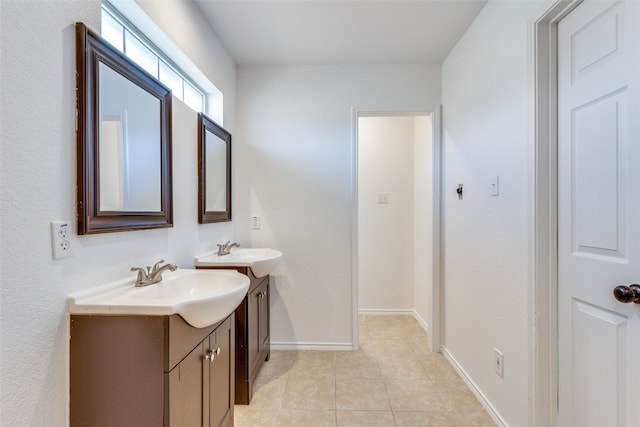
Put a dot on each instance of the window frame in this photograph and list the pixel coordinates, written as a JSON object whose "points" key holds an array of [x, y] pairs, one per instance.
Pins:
{"points": [[132, 30]]}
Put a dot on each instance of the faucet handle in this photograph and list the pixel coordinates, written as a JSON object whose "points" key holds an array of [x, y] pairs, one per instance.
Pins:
{"points": [[223, 248], [156, 265], [142, 274], [140, 270]]}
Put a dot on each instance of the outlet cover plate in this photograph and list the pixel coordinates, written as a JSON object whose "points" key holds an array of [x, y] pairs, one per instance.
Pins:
{"points": [[61, 239]]}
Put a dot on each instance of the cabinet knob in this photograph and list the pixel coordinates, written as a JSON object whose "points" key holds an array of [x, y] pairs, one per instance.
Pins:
{"points": [[218, 351], [211, 354]]}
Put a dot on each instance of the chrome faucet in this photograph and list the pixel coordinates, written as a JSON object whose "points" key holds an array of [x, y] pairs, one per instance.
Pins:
{"points": [[152, 275], [225, 248]]}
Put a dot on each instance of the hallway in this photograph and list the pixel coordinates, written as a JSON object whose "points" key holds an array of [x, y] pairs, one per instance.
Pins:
{"points": [[393, 380]]}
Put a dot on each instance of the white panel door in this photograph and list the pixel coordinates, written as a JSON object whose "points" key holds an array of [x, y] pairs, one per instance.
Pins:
{"points": [[598, 214]]}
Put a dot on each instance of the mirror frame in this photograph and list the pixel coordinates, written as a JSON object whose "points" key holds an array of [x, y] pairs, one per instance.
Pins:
{"points": [[91, 49], [204, 216]]}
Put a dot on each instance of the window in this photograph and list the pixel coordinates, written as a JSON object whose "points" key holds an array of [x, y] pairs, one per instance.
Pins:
{"points": [[118, 31]]}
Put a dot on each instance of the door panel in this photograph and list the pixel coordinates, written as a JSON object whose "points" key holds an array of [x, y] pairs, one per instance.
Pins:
{"points": [[221, 376], [595, 42], [598, 213], [185, 391], [598, 148], [599, 369]]}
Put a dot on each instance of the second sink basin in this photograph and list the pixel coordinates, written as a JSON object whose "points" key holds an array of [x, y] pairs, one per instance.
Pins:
{"points": [[261, 261], [201, 297]]}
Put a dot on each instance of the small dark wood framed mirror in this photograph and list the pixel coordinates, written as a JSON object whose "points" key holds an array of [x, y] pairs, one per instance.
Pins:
{"points": [[214, 172], [123, 141]]}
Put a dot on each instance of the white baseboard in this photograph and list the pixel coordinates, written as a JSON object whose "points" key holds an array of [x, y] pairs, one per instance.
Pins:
{"points": [[491, 410], [312, 346], [422, 322], [348, 346], [403, 312], [385, 312]]}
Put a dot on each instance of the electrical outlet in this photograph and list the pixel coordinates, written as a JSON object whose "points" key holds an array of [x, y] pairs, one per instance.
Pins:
{"points": [[61, 239], [499, 362], [255, 222]]}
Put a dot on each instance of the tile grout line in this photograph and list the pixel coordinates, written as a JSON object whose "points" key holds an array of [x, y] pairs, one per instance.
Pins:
{"points": [[434, 373]]}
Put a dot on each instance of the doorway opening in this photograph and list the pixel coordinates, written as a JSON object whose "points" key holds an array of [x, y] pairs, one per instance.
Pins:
{"points": [[396, 174]]}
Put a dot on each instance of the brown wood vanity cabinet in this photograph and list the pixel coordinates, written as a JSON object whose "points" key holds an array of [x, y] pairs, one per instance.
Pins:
{"points": [[252, 349], [151, 371], [252, 335]]}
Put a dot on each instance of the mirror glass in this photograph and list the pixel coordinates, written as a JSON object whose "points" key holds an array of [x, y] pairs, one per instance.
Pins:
{"points": [[123, 141], [129, 145], [214, 183], [215, 172]]}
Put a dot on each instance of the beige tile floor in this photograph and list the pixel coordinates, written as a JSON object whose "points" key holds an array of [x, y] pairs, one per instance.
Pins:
{"points": [[393, 380]]}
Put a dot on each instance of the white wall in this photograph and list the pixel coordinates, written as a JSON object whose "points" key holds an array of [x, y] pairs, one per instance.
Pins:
{"points": [[294, 142], [385, 231], [394, 239], [37, 155], [485, 88]]}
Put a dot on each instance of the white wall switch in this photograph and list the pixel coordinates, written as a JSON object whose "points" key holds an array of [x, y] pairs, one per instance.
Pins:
{"points": [[255, 222], [61, 239], [495, 185], [499, 362], [383, 197]]}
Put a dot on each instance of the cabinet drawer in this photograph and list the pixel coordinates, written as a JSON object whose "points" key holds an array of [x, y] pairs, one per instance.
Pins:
{"points": [[166, 338]]}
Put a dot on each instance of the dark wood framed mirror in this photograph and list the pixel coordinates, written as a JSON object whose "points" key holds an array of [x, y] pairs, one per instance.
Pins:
{"points": [[214, 172], [124, 176]]}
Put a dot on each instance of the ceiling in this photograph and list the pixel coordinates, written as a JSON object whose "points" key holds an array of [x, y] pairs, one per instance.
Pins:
{"points": [[339, 31]]}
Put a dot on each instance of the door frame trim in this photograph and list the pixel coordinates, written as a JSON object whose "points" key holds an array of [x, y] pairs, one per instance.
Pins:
{"points": [[435, 323], [436, 337], [543, 181]]}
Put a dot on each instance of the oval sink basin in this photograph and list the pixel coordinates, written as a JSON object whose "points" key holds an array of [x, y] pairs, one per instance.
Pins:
{"points": [[201, 297], [261, 261]]}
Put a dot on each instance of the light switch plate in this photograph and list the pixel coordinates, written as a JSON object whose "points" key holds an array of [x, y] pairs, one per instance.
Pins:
{"points": [[495, 185], [499, 362], [383, 198], [255, 222]]}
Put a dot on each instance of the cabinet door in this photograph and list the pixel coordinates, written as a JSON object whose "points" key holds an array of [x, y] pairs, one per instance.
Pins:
{"points": [[263, 319], [221, 375], [186, 407]]}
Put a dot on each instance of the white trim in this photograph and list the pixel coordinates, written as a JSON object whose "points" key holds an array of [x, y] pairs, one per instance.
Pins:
{"points": [[436, 120], [491, 411], [436, 333], [401, 312], [424, 325], [387, 312], [355, 325], [144, 24], [134, 13], [312, 346], [543, 286], [348, 347]]}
